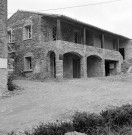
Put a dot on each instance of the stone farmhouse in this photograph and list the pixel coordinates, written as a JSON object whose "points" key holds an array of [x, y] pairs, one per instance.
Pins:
{"points": [[3, 46], [56, 46]]}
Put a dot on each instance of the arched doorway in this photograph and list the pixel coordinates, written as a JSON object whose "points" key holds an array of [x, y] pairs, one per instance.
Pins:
{"points": [[94, 66], [52, 64], [71, 65]]}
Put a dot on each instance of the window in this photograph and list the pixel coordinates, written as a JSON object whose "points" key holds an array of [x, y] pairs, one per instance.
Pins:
{"points": [[54, 33], [28, 63], [77, 37], [27, 32], [10, 36]]}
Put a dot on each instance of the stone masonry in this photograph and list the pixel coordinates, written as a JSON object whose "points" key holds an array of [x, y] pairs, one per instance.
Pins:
{"points": [[3, 46], [61, 47]]}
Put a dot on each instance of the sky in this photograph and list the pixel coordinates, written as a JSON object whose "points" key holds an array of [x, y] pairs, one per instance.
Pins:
{"points": [[112, 16]]}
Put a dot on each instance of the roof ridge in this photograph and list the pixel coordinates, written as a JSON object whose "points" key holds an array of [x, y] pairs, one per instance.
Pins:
{"points": [[41, 13]]}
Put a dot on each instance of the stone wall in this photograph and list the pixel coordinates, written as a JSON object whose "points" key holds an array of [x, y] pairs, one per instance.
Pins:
{"points": [[17, 22], [3, 80], [40, 60], [3, 28], [3, 46], [127, 45], [47, 26], [94, 66]]}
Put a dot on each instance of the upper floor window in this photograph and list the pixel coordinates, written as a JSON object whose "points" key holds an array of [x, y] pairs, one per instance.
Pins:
{"points": [[77, 37], [54, 33], [27, 32], [10, 36]]}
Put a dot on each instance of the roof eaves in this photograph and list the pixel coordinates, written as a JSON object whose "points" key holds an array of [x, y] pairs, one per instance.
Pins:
{"points": [[76, 21]]}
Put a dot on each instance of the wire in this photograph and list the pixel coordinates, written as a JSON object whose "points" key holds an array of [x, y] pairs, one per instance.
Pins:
{"points": [[91, 4]]}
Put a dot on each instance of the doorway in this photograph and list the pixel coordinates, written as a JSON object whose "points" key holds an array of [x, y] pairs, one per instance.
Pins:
{"points": [[52, 65], [122, 52], [76, 68], [110, 67], [94, 66], [72, 65]]}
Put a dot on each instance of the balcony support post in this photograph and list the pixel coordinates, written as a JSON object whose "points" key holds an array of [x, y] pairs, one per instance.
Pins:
{"points": [[59, 33], [118, 44], [102, 41], [84, 36]]}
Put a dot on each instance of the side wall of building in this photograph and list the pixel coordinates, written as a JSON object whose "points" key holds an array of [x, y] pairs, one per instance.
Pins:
{"points": [[3, 46], [17, 23], [127, 45]]}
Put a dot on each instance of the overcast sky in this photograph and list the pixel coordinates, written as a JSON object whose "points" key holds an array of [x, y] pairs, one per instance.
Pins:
{"points": [[114, 16]]}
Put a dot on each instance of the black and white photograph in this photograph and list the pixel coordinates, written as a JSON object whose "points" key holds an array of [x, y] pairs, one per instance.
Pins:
{"points": [[65, 67]]}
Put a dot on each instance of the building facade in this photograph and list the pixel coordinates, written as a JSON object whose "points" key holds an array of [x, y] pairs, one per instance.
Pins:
{"points": [[3, 46], [56, 46]]}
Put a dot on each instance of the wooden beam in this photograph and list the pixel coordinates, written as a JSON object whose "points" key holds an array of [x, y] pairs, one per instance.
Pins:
{"points": [[84, 36], [59, 34], [118, 44], [102, 41]]}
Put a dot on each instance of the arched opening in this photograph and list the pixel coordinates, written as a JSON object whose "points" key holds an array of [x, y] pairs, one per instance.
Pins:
{"points": [[94, 66], [71, 65], [52, 64]]}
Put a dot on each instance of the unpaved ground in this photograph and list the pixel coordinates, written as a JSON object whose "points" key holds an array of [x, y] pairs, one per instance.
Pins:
{"points": [[48, 101]]}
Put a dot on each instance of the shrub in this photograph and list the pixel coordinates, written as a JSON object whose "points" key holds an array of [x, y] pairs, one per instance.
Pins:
{"points": [[11, 86], [53, 129], [12, 133], [118, 117], [24, 133], [87, 123]]}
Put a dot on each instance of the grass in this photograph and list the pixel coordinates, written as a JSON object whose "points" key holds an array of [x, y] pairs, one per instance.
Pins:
{"points": [[112, 121]]}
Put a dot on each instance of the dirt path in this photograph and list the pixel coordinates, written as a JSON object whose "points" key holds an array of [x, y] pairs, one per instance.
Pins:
{"points": [[48, 101]]}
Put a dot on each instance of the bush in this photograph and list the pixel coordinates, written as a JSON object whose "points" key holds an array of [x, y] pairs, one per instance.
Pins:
{"points": [[12, 133], [87, 123], [21, 133], [53, 129], [10, 85], [118, 117]]}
